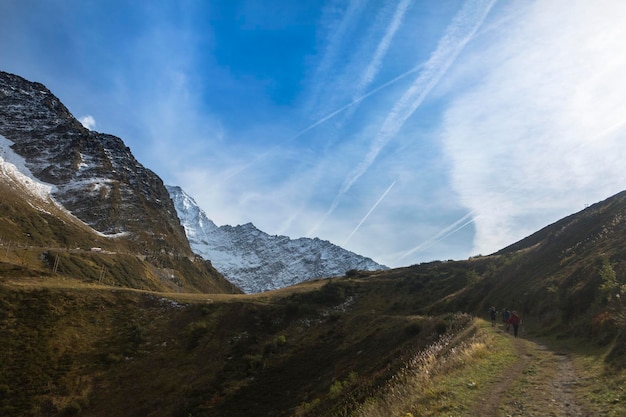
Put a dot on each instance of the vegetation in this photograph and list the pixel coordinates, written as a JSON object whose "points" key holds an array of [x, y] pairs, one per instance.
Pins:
{"points": [[112, 331], [326, 348]]}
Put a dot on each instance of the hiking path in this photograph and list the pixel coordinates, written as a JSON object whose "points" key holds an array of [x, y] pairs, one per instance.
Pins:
{"points": [[541, 382]]}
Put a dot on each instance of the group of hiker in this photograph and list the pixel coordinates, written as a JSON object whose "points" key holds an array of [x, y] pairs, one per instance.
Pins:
{"points": [[509, 318]]}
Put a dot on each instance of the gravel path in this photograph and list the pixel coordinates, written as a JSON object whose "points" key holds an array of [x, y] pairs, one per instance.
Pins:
{"points": [[541, 383]]}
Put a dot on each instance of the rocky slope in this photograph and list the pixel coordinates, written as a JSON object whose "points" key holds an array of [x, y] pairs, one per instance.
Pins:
{"points": [[95, 176], [65, 190], [256, 261]]}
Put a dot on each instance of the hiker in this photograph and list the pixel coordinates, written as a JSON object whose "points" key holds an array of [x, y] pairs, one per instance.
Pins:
{"points": [[515, 321], [492, 314], [506, 314]]}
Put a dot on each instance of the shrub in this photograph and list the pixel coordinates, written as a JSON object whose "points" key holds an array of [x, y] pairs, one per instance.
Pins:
{"points": [[5, 391], [112, 358], [352, 273], [335, 389], [275, 345], [196, 331]]}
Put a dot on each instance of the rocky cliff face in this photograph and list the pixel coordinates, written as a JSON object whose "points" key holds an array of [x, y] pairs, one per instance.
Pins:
{"points": [[95, 176], [256, 261]]}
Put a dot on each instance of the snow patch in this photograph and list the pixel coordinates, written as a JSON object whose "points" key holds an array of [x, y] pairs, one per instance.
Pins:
{"points": [[14, 168]]}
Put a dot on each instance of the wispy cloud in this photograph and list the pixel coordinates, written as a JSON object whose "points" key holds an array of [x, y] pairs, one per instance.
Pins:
{"points": [[539, 127], [88, 121]]}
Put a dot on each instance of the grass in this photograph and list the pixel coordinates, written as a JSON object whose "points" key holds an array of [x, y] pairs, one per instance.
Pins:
{"points": [[468, 374], [347, 347], [48, 241], [447, 377], [95, 350]]}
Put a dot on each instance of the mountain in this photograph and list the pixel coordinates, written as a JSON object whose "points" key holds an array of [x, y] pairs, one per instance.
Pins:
{"points": [[71, 175], [94, 175], [256, 261], [570, 275]]}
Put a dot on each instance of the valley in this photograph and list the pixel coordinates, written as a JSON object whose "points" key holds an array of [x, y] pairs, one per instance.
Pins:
{"points": [[364, 345], [106, 308]]}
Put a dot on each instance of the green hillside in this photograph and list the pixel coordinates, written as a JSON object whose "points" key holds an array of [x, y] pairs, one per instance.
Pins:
{"points": [[408, 341]]}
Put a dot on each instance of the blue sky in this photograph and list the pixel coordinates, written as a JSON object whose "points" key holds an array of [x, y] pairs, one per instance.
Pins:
{"points": [[406, 131]]}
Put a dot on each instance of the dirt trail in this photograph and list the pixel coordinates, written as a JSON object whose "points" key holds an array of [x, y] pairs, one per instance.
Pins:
{"points": [[540, 383]]}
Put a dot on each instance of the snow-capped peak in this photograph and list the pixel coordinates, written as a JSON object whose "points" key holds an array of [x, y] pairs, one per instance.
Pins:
{"points": [[256, 261]]}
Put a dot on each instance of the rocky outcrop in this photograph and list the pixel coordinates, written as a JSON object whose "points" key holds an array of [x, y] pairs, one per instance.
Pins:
{"points": [[95, 176]]}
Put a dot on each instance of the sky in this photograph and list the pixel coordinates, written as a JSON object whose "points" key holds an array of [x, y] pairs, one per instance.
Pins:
{"points": [[406, 131]]}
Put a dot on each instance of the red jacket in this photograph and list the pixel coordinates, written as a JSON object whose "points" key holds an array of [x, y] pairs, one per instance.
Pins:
{"points": [[514, 319]]}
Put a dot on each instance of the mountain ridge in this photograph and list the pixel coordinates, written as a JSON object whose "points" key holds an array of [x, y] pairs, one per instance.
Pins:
{"points": [[94, 193], [256, 261], [95, 179]]}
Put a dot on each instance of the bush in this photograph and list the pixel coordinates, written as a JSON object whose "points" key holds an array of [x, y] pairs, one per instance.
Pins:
{"points": [[275, 345], [5, 391], [112, 358]]}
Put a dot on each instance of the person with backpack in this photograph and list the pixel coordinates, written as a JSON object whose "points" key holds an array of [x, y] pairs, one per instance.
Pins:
{"points": [[514, 321], [506, 314]]}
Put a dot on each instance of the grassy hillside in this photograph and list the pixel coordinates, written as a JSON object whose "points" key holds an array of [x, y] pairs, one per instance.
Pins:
{"points": [[362, 345], [116, 332], [38, 238], [104, 352]]}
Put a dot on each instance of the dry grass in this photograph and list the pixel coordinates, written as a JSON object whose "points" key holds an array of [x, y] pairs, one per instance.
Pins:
{"points": [[416, 381]]}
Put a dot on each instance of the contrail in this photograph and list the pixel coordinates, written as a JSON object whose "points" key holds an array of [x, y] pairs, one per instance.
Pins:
{"points": [[369, 212], [324, 119], [449, 230], [462, 29], [381, 50], [355, 101], [383, 46], [353, 10]]}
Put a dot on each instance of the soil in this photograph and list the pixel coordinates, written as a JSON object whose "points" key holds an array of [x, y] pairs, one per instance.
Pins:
{"points": [[540, 383]]}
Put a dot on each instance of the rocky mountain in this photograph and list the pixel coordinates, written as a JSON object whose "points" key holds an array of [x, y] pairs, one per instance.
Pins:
{"points": [[94, 175], [91, 187], [256, 261]]}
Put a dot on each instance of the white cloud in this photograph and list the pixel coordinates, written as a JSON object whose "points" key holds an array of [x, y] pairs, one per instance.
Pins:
{"points": [[540, 132], [88, 121]]}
